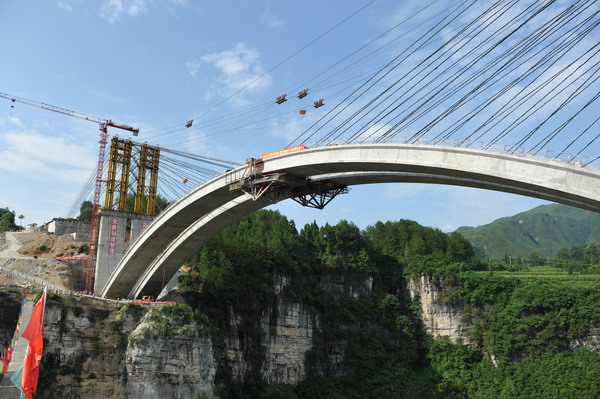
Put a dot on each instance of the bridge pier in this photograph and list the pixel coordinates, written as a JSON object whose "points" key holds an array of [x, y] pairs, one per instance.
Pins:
{"points": [[117, 231], [139, 223]]}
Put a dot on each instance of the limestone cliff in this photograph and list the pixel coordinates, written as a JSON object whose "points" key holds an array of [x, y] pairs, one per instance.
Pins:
{"points": [[107, 349], [91, 352], [288, 331], [85, 348], [10, 305], [179, 367], [439, 318]]}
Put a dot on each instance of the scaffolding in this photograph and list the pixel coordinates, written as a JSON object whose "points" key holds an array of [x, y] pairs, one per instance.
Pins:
{"points": [[147, 164], [120, 154]]}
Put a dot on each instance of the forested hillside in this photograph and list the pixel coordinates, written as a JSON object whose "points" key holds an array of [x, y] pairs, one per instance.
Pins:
{"points": [[541, 232], [524, 327]]}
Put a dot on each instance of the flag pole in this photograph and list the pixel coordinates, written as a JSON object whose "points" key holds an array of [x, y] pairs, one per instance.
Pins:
{"points": [[45, 294]]}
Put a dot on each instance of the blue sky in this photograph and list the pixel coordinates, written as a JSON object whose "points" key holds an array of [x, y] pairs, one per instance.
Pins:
{"points": [[156, 64]]}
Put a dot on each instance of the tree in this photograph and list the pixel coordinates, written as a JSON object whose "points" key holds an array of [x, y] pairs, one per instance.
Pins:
{"points": [[535, 260], [459, 248], [21, 217], [7, 220], [85, 211], [161, 203]]}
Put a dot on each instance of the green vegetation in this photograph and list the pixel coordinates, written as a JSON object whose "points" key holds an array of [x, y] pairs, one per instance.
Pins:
{"points": [[537, 233], [380, 331], [7, 220], [582, 258], [161, 203], [86, 208], [83, 249], [533, 312], [170, 321], [131, 307], [525, 318], [468, 374], [85, 211]]}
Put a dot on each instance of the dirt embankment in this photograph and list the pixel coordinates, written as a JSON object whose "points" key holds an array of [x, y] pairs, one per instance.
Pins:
{"points": [[27, 260], [45, 245]]}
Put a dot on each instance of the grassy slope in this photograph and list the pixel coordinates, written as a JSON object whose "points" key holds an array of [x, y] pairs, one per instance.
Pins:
{"points": [[542, 230]]}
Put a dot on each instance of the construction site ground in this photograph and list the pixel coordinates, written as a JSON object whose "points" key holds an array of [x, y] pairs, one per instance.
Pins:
{"points": [[27, 260]]}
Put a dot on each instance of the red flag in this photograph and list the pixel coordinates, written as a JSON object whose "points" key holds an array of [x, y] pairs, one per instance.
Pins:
{"points": [[34, 334], [6, 359]]}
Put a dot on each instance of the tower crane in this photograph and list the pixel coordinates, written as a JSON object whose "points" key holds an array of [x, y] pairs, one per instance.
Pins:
{"points": [[104, 125]]}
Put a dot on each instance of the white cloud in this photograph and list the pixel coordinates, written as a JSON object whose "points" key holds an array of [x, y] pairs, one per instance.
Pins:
{"points": [[16, 122], [44, 171], [273, 21], [239, 68], [64, 6], [114, 10], [43, 157]]}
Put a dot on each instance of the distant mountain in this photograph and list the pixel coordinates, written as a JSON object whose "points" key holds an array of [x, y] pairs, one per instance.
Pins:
{"points": [[542, 230]]}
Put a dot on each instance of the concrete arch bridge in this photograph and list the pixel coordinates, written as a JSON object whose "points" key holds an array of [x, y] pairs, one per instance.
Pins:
{"points": [[314, 177]]}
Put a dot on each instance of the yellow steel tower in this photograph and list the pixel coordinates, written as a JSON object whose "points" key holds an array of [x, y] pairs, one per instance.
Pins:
{"points": [[120, 153], [147, 163]]}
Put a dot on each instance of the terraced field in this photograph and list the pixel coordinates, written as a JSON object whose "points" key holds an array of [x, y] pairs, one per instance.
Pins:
{"points": [[549, 273]]}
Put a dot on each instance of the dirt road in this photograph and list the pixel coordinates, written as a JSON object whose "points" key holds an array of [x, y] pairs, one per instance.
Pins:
{"points": [[12, 247]]}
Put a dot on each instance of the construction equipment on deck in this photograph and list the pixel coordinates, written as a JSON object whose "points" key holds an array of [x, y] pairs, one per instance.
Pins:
{"points": [[279, 186]]}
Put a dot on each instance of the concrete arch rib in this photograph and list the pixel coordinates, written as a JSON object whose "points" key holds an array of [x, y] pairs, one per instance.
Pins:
{"points": [[181, 229]]}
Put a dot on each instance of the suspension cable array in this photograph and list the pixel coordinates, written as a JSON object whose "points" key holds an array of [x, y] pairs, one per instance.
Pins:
{"points": [[521, 73], [514, 72]]}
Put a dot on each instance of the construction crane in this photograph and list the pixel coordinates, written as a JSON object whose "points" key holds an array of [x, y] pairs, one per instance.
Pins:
{"points": [[104, 125]]}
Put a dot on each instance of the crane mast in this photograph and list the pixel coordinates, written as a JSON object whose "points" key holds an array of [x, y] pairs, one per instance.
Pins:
{"points": [[104, 125]]}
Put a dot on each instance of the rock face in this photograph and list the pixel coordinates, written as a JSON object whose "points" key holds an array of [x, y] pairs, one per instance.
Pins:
{"points": [[170, 368], [439, 319], [101, 349], [94, 351], [35, 271], [591, 341], [287, 333], [349, 284], [10, 305], [86, 342], [288, 336], [89, 355]]}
